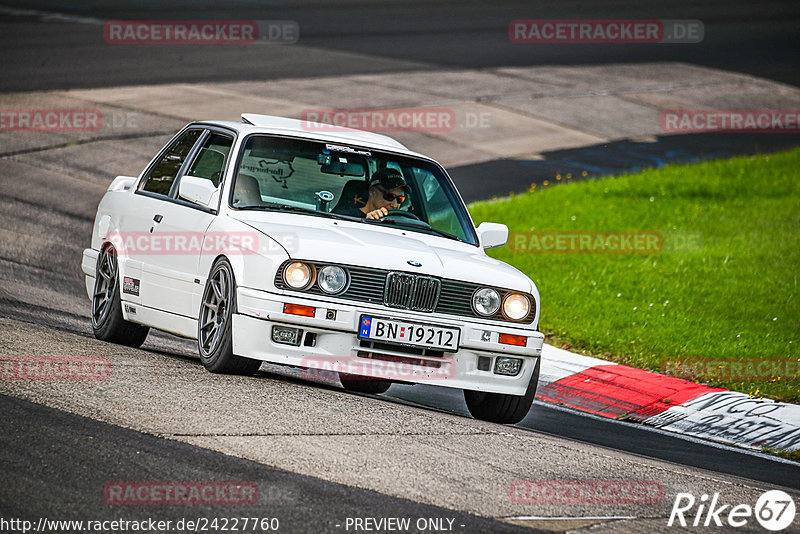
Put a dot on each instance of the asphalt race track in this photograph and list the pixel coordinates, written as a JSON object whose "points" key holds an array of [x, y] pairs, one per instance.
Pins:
{"points": [[319, 455], [69, 478], [411, 443], [357, 37]]}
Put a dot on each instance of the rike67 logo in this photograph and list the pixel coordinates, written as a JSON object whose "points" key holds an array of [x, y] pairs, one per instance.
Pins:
{"points": [[774, 510]]}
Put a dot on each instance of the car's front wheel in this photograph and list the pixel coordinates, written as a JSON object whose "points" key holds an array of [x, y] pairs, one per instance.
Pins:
{"points": [[107, 321], [215, 324], [502, 408]]}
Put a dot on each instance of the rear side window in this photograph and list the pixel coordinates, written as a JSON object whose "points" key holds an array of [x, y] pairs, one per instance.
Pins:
{"points": [[162, 174]]}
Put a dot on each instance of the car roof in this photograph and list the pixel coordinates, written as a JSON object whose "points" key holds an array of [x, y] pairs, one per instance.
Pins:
{"points": [[255, 123]]}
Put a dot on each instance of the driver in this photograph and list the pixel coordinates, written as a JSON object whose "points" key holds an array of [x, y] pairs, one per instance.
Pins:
{"points": [[387, 191]]}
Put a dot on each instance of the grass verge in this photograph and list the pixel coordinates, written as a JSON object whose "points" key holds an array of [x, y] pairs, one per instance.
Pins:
{"points": [[721, 290], [789, 455]]}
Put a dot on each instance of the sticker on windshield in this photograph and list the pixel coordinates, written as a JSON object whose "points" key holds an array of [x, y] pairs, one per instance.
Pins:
{"points": [[340, 148], [278, 170]]}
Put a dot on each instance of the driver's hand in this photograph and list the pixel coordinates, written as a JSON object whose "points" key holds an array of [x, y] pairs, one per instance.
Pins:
{"points": [[379, 213]]}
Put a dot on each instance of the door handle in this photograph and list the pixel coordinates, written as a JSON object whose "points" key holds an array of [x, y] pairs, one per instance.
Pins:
{"points": [[158, 218]]}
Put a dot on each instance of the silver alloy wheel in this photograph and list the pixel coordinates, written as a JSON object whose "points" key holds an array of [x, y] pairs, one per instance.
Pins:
{"points": [[104, 285], [214, 312]]}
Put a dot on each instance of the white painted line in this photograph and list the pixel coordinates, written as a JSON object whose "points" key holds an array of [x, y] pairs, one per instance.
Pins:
{"points": [[545, 518], [49, 16], [559, 363]]}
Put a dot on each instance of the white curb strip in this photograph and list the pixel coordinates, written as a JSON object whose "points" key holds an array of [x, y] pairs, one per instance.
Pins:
{"points": [[728, 417]]}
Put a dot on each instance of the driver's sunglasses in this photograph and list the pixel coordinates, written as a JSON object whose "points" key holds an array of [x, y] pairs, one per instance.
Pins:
{"points": [[391, 197]]}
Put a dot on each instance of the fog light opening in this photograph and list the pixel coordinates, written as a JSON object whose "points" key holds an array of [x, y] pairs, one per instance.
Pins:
{"points": [[286, 335], [507, 366], [310, 340]]}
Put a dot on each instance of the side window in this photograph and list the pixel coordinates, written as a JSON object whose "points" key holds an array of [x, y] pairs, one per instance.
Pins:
{"points": [[162, 174], [210, 160], [439, 208]]}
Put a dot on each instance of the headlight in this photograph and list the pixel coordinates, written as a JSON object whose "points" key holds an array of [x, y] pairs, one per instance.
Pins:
{"points": [[297, 275], [331, 279], [486, 301], [516, 306]]}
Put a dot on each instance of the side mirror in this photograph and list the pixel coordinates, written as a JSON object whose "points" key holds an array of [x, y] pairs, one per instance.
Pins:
{"points": [[197, 190], [492, 235], [122, 183]]}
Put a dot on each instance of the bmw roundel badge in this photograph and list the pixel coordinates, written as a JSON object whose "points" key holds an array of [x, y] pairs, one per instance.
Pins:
{"points": [[414, 263]]}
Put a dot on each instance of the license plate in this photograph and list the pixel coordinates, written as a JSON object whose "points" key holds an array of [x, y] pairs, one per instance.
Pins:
{"points": [[406, 333]]}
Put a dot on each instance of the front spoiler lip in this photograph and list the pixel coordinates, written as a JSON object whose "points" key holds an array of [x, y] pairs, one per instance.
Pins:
{"points": [[251, 339]]}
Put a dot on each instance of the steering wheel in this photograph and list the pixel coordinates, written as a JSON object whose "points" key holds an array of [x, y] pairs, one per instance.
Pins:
{"points": [[401, 213]]}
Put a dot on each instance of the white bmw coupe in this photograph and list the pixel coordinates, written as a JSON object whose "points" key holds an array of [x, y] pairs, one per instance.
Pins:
{"points": [[324, 248]]}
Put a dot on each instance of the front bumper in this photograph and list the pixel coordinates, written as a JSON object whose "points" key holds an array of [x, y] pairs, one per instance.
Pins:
{"points": [[332, 343]]}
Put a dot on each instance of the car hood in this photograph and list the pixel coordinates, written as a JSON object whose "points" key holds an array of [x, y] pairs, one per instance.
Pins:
{"points": [[359, 244]]}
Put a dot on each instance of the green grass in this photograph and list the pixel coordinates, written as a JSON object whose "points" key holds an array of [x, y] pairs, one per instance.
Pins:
{"points": [[790, 455], [734, 296]]}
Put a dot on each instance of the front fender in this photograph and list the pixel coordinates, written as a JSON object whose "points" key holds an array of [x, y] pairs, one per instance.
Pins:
{"points": [[254, 255]]}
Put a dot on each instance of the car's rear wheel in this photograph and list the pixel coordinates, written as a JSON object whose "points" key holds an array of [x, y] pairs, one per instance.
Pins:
{"points": [[107, 321], [360, 384], [215, 324], [502, 408]]}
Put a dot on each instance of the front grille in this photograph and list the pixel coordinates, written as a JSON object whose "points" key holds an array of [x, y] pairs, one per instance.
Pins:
{"points": [[407, 291], [411, 292], [456, 298], [426, 293], [399, 290]]}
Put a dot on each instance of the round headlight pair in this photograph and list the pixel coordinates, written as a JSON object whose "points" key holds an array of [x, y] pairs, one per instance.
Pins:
{"points": [[298, 275], [516, 306], [331, 278], [487, 302]]}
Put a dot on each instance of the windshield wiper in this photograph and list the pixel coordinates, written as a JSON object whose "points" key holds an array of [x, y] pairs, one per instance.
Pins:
{"points": [[412, 223], [442, 233], [274, 206]]}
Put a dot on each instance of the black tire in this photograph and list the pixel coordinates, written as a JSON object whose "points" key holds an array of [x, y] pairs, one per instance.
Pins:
{"points": [[215, 324], [502, 408], [107, 321], [373, 386]]}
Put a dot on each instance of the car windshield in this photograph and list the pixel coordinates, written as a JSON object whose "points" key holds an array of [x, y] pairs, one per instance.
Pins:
{"points": [[334, 180]]}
